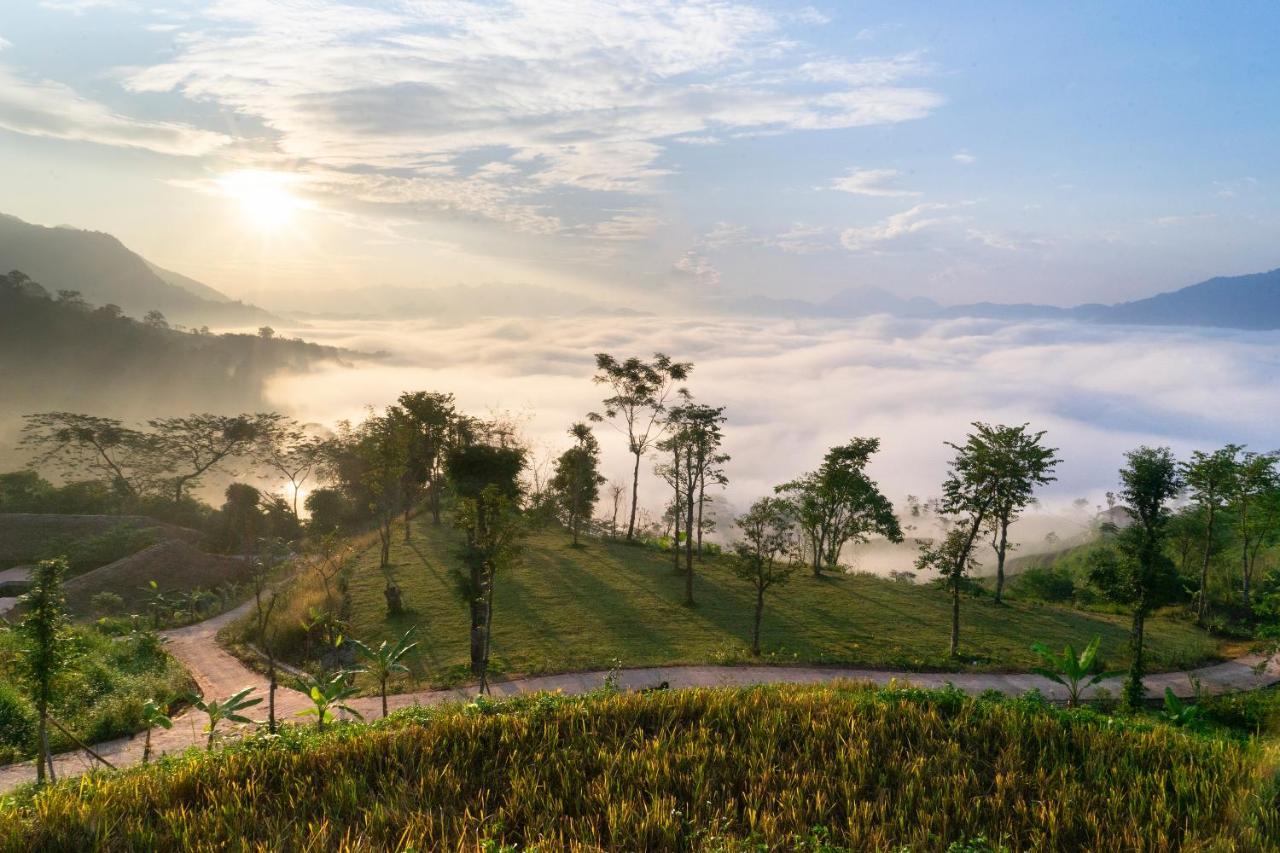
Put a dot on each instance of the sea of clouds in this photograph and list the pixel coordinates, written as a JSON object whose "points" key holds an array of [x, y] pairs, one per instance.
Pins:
{"points": [[793, 388]]}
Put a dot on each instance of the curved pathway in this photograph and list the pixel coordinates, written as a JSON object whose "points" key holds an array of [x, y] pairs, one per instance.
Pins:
{"points": [[217, 673]]}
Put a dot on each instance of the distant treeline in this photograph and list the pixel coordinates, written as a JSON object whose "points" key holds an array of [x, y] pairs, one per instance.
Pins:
{"points": [[58, 350]]}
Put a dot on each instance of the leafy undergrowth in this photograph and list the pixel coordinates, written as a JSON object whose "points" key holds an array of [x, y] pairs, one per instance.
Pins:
{"points": [[98, 696], [764, 768]]}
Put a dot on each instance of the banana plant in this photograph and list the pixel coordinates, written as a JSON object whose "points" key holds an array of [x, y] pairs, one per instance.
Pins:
{"points": [[385, 661], [327, 694], [1071, 670], [157, 602], [153, 715], [228, 709], [1176, 712]]}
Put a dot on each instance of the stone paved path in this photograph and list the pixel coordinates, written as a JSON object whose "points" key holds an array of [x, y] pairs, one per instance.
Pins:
{"points": [[219, 674]]}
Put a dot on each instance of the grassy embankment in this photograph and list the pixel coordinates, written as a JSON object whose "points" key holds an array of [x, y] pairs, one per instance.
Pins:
{"points": [[571, 608], [767, 768], [99, 696]]}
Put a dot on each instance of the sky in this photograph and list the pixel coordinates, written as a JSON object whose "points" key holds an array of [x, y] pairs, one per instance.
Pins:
{"points": [[649, 151]]}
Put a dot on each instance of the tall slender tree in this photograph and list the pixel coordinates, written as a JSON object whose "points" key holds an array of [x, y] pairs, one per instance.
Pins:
{"points": [[1255, 503], [969, 496], [1021, 462], [46, 649], [640, 391], [766, 555], [435, 420], [576, 481], [1211, 479], [694, 435], [486, 478], [1136, 571]]}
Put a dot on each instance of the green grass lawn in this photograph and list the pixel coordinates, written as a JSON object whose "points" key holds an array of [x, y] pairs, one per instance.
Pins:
{"points": [[568, 608]]}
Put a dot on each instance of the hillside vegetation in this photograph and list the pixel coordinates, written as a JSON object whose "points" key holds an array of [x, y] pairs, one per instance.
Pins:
{"points": [[63, 353], [766, 768], [567, 608]]}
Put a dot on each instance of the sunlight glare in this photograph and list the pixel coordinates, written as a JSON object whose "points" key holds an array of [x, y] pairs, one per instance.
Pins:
{"points": [[264, 197]]}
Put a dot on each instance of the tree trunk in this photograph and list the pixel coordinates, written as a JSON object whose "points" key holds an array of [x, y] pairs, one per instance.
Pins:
{"points": [[271, 694], [688, 527], [1000, 552], [406, 524], [435, 500], [755, 635], [635, 491], [702, 496], [488, 634], [1202, 609], [43, 757], [383, 686], [1134, 691], [816, 540], [1246, 569], [146, 747], [955, 616]]}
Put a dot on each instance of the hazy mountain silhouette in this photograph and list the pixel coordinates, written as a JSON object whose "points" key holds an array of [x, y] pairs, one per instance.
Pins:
{"points": [[1232, 302], [105, 271]]}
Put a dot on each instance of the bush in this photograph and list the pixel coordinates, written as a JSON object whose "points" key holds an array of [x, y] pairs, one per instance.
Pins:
{"points": [[106, 603], [1046, 583], [17, 722], [91, 552]]}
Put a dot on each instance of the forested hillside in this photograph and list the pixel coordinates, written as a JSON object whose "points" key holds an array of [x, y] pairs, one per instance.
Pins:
{"points": [[62, 352]]}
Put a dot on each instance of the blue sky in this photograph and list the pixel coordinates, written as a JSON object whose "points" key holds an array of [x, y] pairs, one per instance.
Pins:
{"points": [[1009, 151]]}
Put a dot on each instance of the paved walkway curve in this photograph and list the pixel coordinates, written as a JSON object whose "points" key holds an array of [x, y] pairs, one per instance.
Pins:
{"points": [[217, 673]]}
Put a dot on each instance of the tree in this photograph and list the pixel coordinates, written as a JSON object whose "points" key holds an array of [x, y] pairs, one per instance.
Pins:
{"points": [[615, 491], [154, 716], [327, 694], [435, 422], [228, 709], [1210, 477], [370, 462], [78, 443], [839, 503], [952, 558], [765, 555], [969, 496], [187, 448], [1072, 670], [155, 320], [385, 661], [1255, 502], [46, 647], [1021, 462], [271, 553], [486, 478], [640, 393], [1136, 571], [576, 481], [287, 450]]}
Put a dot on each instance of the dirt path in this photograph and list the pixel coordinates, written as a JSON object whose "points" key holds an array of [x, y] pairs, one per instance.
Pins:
{"points": [[219, 674]]}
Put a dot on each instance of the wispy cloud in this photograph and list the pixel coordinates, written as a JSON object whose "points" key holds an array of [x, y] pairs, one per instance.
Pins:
{"points": [[895, 227], [871, 182], [52, 110], [964, 158], [578, 96]]}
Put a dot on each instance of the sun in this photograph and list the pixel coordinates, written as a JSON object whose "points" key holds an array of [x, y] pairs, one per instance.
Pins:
{"points": [[265, 198]]}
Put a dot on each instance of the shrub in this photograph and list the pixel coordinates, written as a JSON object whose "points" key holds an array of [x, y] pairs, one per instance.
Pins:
{"points": [[106, 603], [1046, 583], [17, 721]]}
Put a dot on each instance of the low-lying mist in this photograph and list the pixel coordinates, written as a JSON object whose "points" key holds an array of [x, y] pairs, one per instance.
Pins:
{"points": [[794, 388]]}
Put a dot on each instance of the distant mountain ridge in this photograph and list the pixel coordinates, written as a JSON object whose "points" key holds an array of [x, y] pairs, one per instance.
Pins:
{"points": [[1230, 302], [105, 271]]}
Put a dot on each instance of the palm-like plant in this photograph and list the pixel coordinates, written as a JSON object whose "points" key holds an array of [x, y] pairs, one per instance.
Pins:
{"points": [[385, 661], [1071, 670], [153, 715], [228, 709], [328, 694]]}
